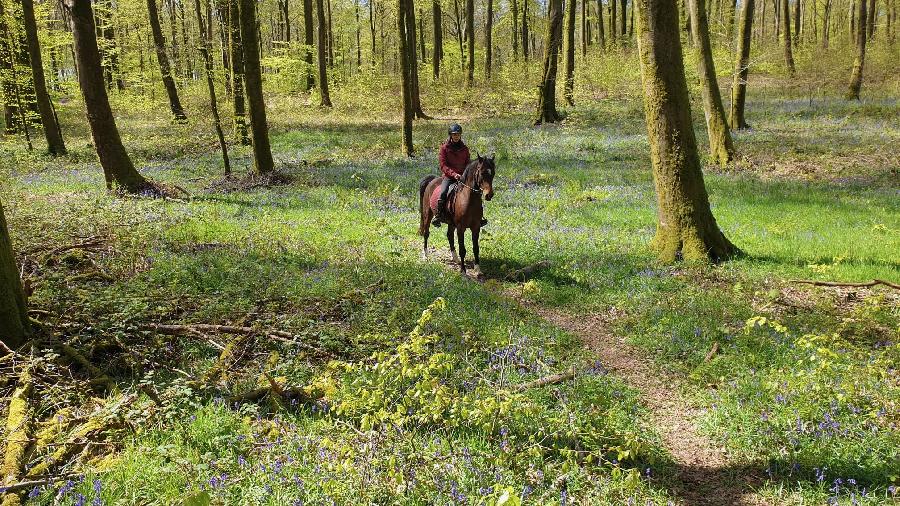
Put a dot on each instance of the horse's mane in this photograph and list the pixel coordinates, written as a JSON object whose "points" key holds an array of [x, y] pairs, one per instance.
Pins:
{"points": [[471, 166]]}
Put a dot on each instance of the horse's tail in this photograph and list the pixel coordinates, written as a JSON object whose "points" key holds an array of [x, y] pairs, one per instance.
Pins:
{"points": [[423, 218]]}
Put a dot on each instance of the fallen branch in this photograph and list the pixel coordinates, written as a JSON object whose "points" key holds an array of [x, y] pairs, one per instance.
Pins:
{"points": [[18, 435], [525, 271], [298, 393], [277, 335], [546, 380], [25, 485], [874, 282], [712, 352], [98, 376]]}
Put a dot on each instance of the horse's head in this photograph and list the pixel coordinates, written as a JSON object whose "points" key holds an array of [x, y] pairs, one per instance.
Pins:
{"points": [[485, 176]]}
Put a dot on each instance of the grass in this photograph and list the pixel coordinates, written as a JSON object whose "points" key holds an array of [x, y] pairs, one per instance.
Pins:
{"points": [[807, 395]]}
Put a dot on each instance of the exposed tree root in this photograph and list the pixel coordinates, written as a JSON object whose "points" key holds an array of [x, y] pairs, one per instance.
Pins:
{"points": [[874, 282], [18, 436]]}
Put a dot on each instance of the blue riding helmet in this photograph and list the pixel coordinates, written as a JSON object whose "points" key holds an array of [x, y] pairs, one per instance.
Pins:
{"points": [[454, 129]]}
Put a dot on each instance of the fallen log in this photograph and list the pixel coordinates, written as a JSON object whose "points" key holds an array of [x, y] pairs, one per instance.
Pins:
{"points": [[277, 335], [18, 436], [98, 377], [546, 380], [874, 282], [525, 271]]}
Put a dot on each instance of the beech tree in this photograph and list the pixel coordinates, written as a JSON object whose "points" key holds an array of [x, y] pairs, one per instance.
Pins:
{"points": [[52, 131], [405, 76], [237, 75], [547, 112], [308, 40], [162, 59], [857, 74], [786, 34], [569, 84], [741, 68], [321, 41], [470, 39], [14, 325], [686, 227], [259, 128]]}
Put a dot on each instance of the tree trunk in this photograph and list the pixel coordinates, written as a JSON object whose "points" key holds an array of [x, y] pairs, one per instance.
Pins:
{"points": [[308, 42], [412, 60], [797, 23], [321, 42], [403, 7], [525, 49], [210, 83], [721, 149], [547, 112], [870, 20], [421, 36], [259, 128], [741, 68], [14, 325], [585, 30], [686, 227], [623, 14], [52, 132], [371, 28], [117, 166], [569, 84], [237, 75], [515, 29], [488, 43], [163, 60], [438, 53], [826, 21], [613, 34], [601, 30], [786, 31], [857, 75], [470, 39], [330, 44]]}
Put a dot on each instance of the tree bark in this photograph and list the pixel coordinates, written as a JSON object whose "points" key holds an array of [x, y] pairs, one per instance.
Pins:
{"points": [[623, 14], [438, 53], [786, 32], [330, 43], [601, 29], [308, 42], [259, 128], [686, 227], [585, 29], [514, 6], [857, 75], [322, 54], [470, 39], [117, 166], [163, 60], [613, 34], [569, 84], [547, 112], [52, 132], [371, 27], [210, 83], [797, 23], [870, 20], [721, 148], [237, 75], [525, 33], [488, 43], [14, 325], [741, 68], [412, 60], [405, 80]]}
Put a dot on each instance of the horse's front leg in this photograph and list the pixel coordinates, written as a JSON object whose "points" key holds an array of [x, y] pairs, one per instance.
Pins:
{"points": [[452, 246], [476, 231], [461, 235]]}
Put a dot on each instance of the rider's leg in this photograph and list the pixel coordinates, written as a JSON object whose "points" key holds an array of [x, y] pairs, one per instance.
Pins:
{"points": [[442, 201]]}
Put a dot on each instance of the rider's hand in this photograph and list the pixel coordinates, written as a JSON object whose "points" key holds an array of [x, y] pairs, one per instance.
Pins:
{"points": [[458, 177]]}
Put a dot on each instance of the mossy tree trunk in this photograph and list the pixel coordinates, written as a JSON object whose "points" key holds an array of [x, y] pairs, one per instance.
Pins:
{"points": [[405, 76], [721, 148], [741, 68], [321, 41], [259, 128], [237, 75], [686, 227], [547, 112], [117, 166], [163, 60], [470, 40], [856, 76], [569, 83], [14, 326], [786, 34], [52, 132]]}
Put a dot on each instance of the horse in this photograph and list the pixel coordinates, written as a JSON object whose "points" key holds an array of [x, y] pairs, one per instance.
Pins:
{"points": [[464, 207]]}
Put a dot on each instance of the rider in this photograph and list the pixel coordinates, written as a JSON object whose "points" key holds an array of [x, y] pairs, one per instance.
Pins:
{"points": [[453, 158]]}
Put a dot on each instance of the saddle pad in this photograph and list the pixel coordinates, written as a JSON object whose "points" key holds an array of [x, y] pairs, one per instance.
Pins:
{"points": [[436, 194]]}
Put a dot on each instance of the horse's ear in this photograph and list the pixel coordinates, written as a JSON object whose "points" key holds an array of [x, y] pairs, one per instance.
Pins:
{"points": [[478, 155]]}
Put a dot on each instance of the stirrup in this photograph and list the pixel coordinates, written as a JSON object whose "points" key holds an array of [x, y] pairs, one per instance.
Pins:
{"points": [[484, 222], [436, 222]]}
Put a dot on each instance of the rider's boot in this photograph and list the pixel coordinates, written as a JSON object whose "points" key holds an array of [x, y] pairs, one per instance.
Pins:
{"points": [[483, 221], [439, 215]]}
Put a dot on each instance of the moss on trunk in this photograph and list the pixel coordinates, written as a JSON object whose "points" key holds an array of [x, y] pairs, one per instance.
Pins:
{"points": [[741, 68], [259, 128], [857, 74], [547, 112], [14, 326]]}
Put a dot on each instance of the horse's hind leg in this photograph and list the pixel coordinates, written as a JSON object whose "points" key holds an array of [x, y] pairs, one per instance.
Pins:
{"points": [[461, 235], [452, 246], [425, 246]]}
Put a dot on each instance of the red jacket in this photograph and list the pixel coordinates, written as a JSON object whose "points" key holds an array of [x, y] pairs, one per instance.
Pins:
{"points": [[453, 159]]}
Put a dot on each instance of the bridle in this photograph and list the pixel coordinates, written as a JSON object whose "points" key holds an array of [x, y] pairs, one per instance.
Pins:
{"points": [[479, 178]]}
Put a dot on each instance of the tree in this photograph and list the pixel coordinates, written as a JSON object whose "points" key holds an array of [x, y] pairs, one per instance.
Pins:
{"points": [[438, 54], [686, 227], [488, 44], [237, 75], [514, 6], [14, 325], [470, 39], [259, 128], [721, 148], [52, 132], [321, 41], [525, 30], [163, 60], [308, 41], [117, 166], [569, 83], [405, 76], [210, 83], [741, 68], [857, 75], [601, 31], [413, 68], [786, 31], [547, 112]]}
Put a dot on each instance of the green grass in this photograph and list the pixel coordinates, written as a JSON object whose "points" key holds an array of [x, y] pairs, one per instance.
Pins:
{"points": [[333, 257]]}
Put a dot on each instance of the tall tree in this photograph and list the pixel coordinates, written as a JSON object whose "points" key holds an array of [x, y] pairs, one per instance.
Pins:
{"points": [[405, 74], [163, 60], [488, 44], [585, 28], [514, 6], [870, 19], [623, 15], [857, 75], [741, 68], [308, 42], [413, 68], [786, 31], [470, 40], [321, 41], [259, 128], [721, 148], [547, 112], [601, 30], [797, 24], [613, 34], [525, 32], [210, 83], [371, 28], [14, 325], [237, 75], [686, 227], [569, 84], [117, 167], [438, 55], [52, 132]]}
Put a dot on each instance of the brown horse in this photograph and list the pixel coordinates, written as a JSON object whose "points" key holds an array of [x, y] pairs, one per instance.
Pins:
{"points": [[464, 207]]}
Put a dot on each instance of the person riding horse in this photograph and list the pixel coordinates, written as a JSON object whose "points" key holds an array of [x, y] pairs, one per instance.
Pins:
{"points": [[453, 158]]}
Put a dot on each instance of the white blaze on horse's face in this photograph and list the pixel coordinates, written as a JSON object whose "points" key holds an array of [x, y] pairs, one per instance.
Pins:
{"points": [[487, 179]]}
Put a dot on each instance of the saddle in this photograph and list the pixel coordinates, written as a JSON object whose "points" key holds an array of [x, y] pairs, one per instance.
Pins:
{"points": [[436, 195]]}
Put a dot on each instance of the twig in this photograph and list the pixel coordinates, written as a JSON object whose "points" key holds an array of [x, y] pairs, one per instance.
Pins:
{"points": [[277, 335], [23, 485], [874, 282], [546, 380], [712, 352], [524, 271]]}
